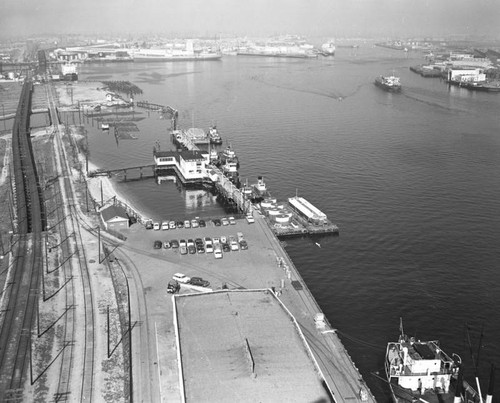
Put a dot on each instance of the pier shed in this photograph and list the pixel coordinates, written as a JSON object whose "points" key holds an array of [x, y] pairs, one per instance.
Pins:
{"points": [[192, 165], [306, 210], [243, 346]]}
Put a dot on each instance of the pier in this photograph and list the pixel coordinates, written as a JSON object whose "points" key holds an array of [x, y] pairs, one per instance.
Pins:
{"points": [[166, 110]]}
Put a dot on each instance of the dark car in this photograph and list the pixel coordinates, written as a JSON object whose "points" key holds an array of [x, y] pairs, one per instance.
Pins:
{"points": [[202, 223], [199, 282], [167, 245], [149, 224], [173, 287], [226, 247], [200, 249], [243, 245], [158, 244], [174, 243], [191, 249], [217, 222], [179, 224]]}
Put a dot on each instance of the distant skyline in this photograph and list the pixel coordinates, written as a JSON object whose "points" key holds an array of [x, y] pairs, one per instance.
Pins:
{"points": [[330, 18]]}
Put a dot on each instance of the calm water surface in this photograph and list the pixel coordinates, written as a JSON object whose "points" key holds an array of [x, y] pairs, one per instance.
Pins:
{"points": [[412, 179]]}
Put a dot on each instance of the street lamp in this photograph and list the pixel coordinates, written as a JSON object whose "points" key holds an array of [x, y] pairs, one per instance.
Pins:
{"points": [[3, 117]]}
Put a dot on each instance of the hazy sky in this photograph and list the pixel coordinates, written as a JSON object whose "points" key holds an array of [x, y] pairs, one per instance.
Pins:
{"points": [[336, 18]]}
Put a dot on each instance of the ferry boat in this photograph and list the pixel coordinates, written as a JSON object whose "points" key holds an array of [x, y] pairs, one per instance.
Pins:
{"points": [[388, 83], [328, 49], [214, 136], [421, 371]]}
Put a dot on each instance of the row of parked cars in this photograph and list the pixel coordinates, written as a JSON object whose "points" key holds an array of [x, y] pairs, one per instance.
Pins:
{"points": [[180, 278], [216, 245], [194, 223]]}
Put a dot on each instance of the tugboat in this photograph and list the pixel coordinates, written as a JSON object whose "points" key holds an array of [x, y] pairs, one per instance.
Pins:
{"points": [[229, 155], [328, 49], [259, 190], [421, 371], [214, 136], [388, 83]]}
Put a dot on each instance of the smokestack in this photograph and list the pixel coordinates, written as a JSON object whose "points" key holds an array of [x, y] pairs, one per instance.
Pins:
{"points": [[458, 391], [491, 386]]}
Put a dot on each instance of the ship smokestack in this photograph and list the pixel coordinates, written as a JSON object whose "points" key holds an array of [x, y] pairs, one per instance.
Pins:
{"points": [[491, 386], [458, 389]]}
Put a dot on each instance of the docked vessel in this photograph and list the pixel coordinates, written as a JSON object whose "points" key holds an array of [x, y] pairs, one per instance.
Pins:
{"points": [[328, 49], [170, 55], [228, 155], [214, 136], [421, 371], [259, 190], [69, 72], [388, 83]]}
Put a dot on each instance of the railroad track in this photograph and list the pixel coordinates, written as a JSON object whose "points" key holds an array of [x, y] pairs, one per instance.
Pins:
{"points": [[21, 302]]}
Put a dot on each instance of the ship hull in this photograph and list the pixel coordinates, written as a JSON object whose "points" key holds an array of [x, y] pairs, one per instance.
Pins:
{"points": [[142, 59], [387, 87]]}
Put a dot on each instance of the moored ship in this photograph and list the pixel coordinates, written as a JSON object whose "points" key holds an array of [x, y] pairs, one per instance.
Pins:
{"points": [[421, 371], [388, 83], [168, 55], [214, 136], [328, 49]]}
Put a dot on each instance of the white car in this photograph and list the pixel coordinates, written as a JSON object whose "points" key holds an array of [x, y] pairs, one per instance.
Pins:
{"points": [[181, 278], [250, 219], [218, 254], [232, 221], [164, 225], [195, 224], [187, 224], [224, 221], [223, 239], [156, 226]]}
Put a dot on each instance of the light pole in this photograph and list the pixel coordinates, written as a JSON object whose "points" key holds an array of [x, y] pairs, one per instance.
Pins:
{"points": [[3, 117]]}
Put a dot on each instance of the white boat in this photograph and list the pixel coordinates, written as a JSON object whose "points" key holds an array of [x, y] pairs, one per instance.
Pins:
{"points": [[328, 49], [421, 371], [214, 135], [105, 126]]}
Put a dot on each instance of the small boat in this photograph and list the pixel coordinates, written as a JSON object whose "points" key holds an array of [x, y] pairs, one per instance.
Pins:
{"points": [[388, 83], [214, 136], [228, 155], [260, 191], [421, 371], [328, 49]]}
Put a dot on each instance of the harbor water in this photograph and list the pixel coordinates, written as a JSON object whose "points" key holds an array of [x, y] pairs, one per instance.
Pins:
{"points": [[411, 179]]}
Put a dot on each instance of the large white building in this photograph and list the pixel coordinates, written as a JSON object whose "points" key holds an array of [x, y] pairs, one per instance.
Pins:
{"points": [[465, 75], [192, 165]]}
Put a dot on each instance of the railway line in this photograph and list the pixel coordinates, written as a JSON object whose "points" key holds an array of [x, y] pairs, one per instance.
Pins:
{"points": [[20, 303]]}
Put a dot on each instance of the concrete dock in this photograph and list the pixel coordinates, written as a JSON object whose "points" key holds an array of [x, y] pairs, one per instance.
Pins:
{"points": [[264, 265]]}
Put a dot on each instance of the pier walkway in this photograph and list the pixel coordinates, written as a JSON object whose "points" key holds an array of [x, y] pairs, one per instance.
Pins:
{"points": [[230, 192]]}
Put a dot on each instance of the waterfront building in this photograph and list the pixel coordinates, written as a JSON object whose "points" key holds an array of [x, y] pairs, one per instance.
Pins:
{"points": [[115, 218], [465, 75], [192, 165], [306, 210]]}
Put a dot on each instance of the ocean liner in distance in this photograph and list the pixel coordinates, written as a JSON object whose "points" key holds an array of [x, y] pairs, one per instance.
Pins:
{"points": [[169, 55]]}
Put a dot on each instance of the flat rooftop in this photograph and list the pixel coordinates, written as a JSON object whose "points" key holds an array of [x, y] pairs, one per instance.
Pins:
{"points": [[243, 345]]}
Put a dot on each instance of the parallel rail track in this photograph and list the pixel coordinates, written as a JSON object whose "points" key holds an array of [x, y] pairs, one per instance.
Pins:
{"points": [[19, 313]]}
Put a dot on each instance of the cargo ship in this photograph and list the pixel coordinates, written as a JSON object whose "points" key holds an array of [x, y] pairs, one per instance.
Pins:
{"points": [[388, 83], [171, 55], [286, 51]]}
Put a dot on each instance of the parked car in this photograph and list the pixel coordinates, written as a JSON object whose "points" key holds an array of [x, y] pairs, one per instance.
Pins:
{"points": [[243, 245], [223, 239], [181, 278], [202, 223], [183, 250], [182, 242], [156, 226], [200, 249], [190, 242], [199, 241], [232, 221], [164, 225], [217, 222], [250, 219], [179, 224], [240, 236], [149, 224], [171, 225], [167, 245], [191, 249], [157, 244], [218, 254], [195, 224], [174, 243], [224, 221], [173, 286], [199, 282], [187, 224], [233, 243], [226, 247]]}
